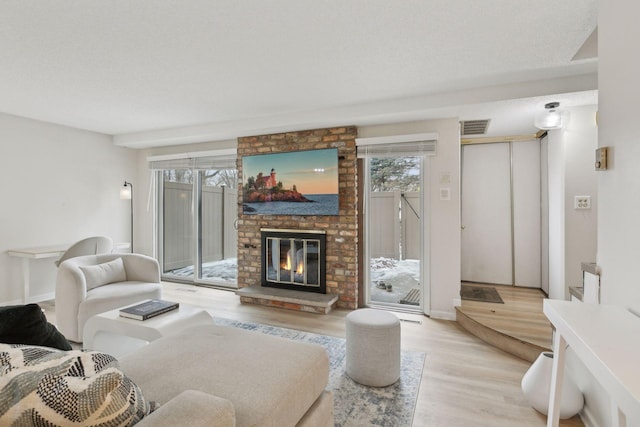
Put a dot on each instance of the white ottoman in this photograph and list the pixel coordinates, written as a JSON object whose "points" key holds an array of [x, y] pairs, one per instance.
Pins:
{"points": [[373, 347]]}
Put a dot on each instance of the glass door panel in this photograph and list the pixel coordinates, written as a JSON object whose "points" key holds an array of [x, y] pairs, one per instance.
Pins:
{"points": [[218, 214], [177, 224], [395, 231], [198, 225]]}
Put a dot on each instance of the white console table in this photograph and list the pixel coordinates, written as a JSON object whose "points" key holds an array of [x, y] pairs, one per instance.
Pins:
{"points": [[42, 252], [605, 338]]}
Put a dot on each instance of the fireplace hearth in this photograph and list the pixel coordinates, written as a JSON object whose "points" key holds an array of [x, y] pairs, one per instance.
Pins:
{"points": [[294, 259]]}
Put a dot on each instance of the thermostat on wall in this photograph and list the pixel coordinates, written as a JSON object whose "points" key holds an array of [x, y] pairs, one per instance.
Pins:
{"points": [[601, 158]]}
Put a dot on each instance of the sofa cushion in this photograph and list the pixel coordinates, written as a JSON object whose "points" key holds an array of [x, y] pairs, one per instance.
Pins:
{"points": [[103, 274], [271, 381], [194, 409], [27, 324], [43, 386]]}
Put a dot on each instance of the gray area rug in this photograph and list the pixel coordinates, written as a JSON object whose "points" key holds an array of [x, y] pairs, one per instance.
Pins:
{"points": [[480, 293], [355, 404]]}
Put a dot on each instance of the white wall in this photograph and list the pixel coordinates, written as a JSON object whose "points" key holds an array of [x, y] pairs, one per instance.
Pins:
{"points": [[619, 187], [556, 177], [580, 141], [59, 185], [572, 233], [544, 214], [618, 234], [443, 216]]}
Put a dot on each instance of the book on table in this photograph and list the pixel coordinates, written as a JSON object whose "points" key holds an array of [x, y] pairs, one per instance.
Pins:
{"points": [[148, 309]]}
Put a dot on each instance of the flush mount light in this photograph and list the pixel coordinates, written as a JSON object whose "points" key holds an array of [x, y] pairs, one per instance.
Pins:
{"points": [[549, 119]]}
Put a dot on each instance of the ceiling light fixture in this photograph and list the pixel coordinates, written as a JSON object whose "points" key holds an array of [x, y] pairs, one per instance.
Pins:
{"points": [[549, 119]]}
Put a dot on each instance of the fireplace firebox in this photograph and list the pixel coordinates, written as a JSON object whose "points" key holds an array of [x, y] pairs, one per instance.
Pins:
{"points": [[294, 259]]}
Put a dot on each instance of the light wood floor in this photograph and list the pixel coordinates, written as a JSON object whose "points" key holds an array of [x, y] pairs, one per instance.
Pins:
{"points": [[520, 317], [465, 382]]}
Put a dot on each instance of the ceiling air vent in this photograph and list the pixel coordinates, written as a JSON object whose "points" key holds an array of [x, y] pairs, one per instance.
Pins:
{"points": [[474, 127]]}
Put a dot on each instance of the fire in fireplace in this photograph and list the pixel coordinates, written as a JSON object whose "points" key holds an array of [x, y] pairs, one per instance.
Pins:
{"points": [[294, 259]]}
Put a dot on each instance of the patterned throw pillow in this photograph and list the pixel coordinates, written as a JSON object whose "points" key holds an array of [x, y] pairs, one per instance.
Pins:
{"points": [[41, 386]]}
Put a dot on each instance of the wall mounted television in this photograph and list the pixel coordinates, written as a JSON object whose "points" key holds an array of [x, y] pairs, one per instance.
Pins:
{"points": [[291, 183]]}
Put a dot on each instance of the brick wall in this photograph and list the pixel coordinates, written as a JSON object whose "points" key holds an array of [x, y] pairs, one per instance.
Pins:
{"points": [[341, 230]]}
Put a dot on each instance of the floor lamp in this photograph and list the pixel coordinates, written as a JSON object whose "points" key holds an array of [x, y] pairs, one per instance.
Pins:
{"points": [[126, 193]]}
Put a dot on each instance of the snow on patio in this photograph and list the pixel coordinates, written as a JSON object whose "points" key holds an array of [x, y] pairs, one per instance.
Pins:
{"points": [[400, 275], [225, 270]]}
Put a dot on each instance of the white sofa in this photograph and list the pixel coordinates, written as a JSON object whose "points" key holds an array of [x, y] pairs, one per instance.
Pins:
{"points": [[92, 284], [219, 376], [208, 375]]}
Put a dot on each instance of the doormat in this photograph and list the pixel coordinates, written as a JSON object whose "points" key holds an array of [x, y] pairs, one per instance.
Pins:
{"points": [[480, 293]]}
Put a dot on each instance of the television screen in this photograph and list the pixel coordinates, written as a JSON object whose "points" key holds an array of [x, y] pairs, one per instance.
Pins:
{"points": [[292, 183]]}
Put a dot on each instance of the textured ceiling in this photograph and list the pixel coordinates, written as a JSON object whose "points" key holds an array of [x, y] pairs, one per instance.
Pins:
{"points": [[130, 67]]}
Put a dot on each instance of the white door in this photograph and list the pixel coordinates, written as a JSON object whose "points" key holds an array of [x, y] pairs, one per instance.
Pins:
{"points": [[501, 184], [486, 214], [395, 231], [526, 213]]}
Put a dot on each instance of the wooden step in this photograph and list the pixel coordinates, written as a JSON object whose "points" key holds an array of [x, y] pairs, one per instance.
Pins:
{"points": [[520, 348], [518, 326]]}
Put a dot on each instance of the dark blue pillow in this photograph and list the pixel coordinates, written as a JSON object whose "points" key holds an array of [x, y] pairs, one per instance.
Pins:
{"points": [[27, 324]]}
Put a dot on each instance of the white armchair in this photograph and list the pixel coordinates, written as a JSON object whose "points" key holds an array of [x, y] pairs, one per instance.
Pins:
{"points": [[89, 246], [92, 284]]}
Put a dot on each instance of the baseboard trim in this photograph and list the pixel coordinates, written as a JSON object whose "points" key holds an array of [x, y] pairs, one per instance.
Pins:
{"points": [[32, 299], [443, 315], [587, 418]]}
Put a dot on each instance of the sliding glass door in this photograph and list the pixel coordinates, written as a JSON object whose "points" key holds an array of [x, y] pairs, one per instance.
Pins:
{"points": [[218, 237], [197, 224], [395, 230]]}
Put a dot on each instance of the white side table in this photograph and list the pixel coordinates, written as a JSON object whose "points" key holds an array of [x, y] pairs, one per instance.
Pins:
{"points": [[110, 333], [42, 252]]}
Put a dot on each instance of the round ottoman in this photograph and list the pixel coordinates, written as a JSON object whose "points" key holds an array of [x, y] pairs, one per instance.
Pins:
{"points": [[373, 347]]}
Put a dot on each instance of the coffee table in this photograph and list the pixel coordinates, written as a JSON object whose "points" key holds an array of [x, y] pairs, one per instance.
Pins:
{"points": [[110, 333]]}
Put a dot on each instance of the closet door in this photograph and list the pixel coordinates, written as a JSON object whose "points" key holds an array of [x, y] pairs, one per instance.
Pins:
{"points": [[526, 212], [486, 214]]}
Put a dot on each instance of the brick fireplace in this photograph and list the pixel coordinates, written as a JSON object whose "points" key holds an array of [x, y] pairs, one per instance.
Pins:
{"points": [[341, 231]]}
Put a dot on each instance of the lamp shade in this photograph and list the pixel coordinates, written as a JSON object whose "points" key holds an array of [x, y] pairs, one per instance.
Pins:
{"points": [[125, 193], [550, 118]]}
